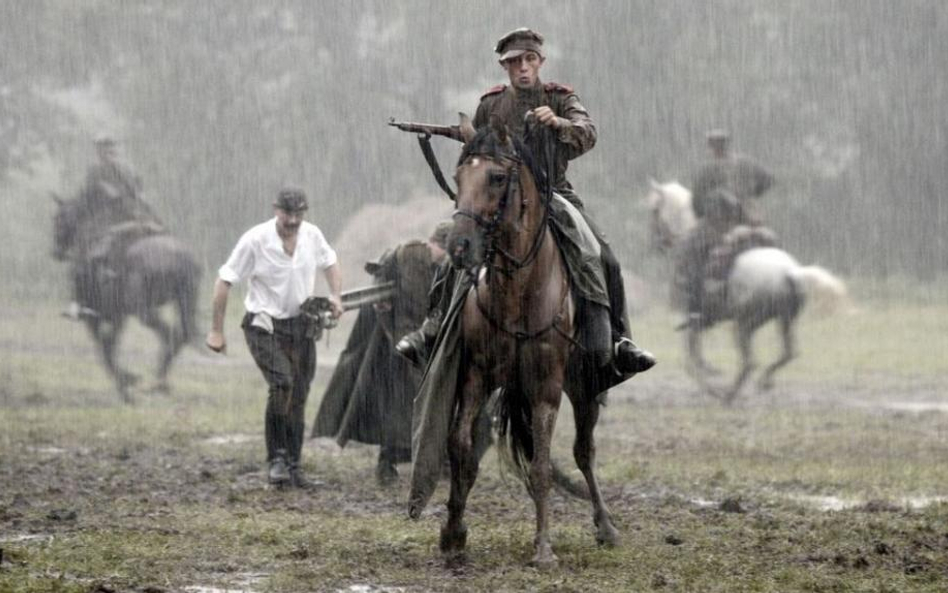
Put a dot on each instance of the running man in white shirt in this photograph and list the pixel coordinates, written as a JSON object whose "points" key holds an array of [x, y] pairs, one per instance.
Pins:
{"points": [[279, 259]]}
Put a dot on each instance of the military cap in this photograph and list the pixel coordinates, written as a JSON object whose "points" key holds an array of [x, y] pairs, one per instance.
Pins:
{"points": [[291, 199], [104, 140], [718, 135], [440, 234], [518, 42]]}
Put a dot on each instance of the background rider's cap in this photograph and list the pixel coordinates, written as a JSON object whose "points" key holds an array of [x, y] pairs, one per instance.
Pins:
{"points": [[291, 200], [440, 234], [104, 140], [517, 42], [719, 135]]}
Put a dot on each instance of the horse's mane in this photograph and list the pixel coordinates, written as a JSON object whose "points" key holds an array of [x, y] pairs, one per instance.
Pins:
{"points": [[486, 142]]}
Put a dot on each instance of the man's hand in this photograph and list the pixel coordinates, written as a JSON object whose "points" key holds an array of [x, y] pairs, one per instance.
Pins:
{"points": [[545, 116], [216, 342], [335, 303]]}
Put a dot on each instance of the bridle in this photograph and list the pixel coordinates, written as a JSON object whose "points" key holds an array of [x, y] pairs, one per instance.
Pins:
{"points": [[489, 225]]}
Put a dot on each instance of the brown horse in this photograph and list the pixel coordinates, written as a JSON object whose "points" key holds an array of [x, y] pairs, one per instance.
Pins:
{"points": [[157, 269], [516, 329]]}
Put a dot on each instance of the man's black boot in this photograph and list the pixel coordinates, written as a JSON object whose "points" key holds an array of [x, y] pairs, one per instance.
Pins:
{"points": [[298, 479], [279, 474], [629, 358]]}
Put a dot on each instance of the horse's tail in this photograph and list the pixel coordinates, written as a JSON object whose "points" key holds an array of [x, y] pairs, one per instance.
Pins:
{"points": [[515, 430], [827, 292]]}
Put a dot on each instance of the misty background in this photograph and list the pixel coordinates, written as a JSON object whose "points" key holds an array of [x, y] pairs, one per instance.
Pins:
{"points": [[217, 104]]}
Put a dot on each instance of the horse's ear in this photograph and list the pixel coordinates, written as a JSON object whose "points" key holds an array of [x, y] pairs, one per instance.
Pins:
{"points": [[500, 129], [467, 127]]}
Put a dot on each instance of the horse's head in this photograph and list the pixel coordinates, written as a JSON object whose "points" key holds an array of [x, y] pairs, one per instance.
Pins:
{"points": [[65, 226], [491, 195], [670, 214]]}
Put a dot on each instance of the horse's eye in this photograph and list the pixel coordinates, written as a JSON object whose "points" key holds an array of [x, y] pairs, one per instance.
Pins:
{"points": [[497, 178]]}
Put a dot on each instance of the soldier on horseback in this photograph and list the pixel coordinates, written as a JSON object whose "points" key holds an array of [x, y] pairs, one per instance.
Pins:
{"points": [[594, 269], [115, 216], [725, 193]]}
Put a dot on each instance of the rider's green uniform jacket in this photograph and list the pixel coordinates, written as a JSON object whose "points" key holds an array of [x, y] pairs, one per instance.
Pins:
{"points": [[577, 135]]}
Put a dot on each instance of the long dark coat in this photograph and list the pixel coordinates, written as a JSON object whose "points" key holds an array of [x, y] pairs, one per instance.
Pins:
{"points": [[369, 397]]}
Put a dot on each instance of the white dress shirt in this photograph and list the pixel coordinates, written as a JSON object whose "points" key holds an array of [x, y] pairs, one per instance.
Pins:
{"points": [[278, 283]]}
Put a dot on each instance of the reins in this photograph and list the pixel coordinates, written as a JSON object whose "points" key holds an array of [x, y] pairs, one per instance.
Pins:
{"points": [[489, 227]]}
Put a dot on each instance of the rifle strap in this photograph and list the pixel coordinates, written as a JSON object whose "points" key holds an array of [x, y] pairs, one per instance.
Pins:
{"points": [[424, 141]]}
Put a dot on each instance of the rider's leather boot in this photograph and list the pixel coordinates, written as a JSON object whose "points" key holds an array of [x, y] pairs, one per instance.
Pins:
{"points": [[629, 358]]}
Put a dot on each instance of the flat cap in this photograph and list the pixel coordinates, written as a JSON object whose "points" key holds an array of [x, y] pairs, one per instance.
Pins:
{"points": [[718, 135], [517, 42], [291, 199]]}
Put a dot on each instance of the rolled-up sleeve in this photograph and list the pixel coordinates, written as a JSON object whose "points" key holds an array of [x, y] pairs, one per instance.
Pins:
{"points": [[240, 263], [325, 254]]}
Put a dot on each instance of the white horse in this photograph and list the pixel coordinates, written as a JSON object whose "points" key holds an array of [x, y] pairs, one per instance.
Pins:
{"points": [[764, 283]]}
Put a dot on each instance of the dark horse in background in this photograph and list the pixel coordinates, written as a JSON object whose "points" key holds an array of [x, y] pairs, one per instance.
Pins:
{"points": [[516, 332], [157, 269]]}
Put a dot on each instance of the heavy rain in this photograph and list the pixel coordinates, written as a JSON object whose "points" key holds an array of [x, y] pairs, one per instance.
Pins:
{"points": [[215, 246]]}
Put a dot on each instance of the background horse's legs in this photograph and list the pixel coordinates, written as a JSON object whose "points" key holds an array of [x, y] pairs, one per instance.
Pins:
{"points": [[744, 330], [586, 415], [464, 464], [789, 352], [171, 343], [696, 365], [106, 335], [545, 404]]}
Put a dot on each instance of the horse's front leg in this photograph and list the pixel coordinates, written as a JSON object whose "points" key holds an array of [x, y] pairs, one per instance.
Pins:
{"points": [[545, 403], [106, 336], [744, 333], [464, 464], [170, 346]]}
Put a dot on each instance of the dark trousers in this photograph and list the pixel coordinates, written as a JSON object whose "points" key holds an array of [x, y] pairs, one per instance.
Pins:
{"points": [[287, 358]]}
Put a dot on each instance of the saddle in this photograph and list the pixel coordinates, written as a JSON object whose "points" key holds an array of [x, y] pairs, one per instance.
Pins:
{"points": [[722, 257]]}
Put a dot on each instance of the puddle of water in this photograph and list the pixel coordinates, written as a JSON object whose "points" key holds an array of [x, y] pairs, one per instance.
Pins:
{"points": [[231, 439], [48, 450], [911, 407], [917, 407], [836, 503], [25, 537], [703, 503], [243, 583]]}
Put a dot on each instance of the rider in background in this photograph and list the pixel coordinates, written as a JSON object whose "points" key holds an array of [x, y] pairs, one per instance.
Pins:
{"points": [[115, 216], [736, 173], [725, 191]]}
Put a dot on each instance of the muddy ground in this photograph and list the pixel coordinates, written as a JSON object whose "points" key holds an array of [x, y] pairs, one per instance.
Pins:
{"points": [[834, 481]]}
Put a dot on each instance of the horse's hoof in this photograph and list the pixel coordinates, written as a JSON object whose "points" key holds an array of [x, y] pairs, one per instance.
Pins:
{"points": [[455, 560], [607, 536], [453, 541], [545, 560], [128, 380]]}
